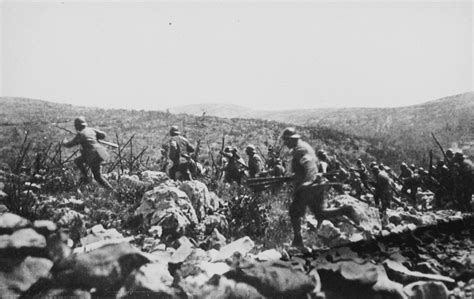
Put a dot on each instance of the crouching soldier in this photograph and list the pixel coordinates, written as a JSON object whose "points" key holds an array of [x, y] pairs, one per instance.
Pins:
{"points": [[179, 153], [92, 152], [307, 192]]}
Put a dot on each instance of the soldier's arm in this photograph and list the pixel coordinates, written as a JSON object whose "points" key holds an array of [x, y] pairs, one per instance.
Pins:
{"points": [[72, 142]]}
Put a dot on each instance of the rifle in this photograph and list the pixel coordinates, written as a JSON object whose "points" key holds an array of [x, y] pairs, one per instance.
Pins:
{"points": [[430, 170], [440, 147], [114, 145]]}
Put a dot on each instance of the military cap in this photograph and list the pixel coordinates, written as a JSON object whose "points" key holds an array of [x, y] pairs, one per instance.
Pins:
{"points": [[449, 152], [250, 148], [290, 133], [80, 122], [174, 131], [375, 168], [459, 156]]}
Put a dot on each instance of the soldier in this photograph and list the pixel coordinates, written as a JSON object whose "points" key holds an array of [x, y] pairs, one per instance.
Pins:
{"points": [[271, 157], [464, 180], [322, 163], [306, 193], [383, 191], [92, 152], [410, 181], [278, 169], [179, 150], [235, 167], [255, 163]]}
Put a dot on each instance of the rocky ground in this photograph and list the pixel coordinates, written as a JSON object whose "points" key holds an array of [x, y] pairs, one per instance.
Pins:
{"points": [[408, 254]]}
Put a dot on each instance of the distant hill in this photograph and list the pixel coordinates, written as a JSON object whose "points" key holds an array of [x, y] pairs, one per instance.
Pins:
{"points": [[450, 118], [150, 128]]}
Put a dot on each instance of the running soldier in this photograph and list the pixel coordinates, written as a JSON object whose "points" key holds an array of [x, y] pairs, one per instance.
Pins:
{"points": [[92, 152], [308, 194]]}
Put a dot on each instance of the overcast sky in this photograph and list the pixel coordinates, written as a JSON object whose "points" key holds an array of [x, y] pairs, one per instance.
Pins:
{"points": [[259, 54]]}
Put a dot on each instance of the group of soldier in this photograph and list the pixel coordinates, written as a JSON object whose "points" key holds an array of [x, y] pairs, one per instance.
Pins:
{"points": [[311, 174]]}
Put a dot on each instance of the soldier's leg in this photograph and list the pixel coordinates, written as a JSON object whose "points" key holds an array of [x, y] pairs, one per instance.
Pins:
{"points": [[95, 168], [81, 165], [317, 205], [297, 210], [172, 171]]}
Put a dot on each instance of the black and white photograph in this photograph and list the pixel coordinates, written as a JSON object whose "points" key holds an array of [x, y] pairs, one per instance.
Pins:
{"points": [[237, 149]]}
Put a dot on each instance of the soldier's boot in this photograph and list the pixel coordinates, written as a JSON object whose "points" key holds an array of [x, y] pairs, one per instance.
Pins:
{"points": [[298, 239]]}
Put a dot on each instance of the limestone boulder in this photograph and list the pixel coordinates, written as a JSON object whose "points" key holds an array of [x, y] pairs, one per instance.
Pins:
{"points": [[168, 207]]}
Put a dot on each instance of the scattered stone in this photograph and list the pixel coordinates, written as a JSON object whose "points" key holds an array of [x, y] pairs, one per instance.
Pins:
{"points": [[3, 208], [426, 290], [242, 246], [18, 275], [184, 250], [105, 268], [152, 279], [199, 196], [154, 177], [402, 274], [44, 227], [215, 240], [269, 255], [156, 231], [98, 233], [10, 222], [274, 279], [215, 221]]}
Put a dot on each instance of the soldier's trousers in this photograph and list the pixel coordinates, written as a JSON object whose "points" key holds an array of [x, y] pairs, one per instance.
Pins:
{"points": [[95, 169], [313, 197]]}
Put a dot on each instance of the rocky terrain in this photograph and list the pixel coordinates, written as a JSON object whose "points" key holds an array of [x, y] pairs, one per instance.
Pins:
{"points": [[182, 253]]}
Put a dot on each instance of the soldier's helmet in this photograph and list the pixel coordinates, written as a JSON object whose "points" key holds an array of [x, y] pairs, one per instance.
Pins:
{"points": [[289, 133], [375, 169], [320, 154], [412, 167], [174, 131], [450, 153], [403, 166], [359, 162], [80, 122], [227, 149], [372, 164], [250, 149], [458, 156]]}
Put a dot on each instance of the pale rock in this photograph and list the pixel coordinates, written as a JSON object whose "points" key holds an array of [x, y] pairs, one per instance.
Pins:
{"points": [[152, 279], [10, 222], [18, 275], [199, 196], [154, 177], [242, 246], [400, 273], [183, 251], [269, 255]]}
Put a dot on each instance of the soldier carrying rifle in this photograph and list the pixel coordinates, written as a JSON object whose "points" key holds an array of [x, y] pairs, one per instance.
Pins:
{"points": [[308, 193], [179, 153], [92, 152]]}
